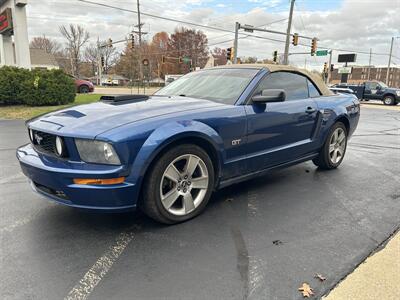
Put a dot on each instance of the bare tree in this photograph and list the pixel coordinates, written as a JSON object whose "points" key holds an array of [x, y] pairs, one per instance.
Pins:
{"points": [[220, 56], [92, 54], [47, 44], [76, 37]]}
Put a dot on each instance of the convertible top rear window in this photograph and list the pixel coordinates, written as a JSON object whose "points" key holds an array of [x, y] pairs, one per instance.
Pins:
{"points": [[219, 85]]}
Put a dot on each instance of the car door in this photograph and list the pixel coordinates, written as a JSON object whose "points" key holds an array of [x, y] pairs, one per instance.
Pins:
{"points": [[280, 132], [371, 90]]}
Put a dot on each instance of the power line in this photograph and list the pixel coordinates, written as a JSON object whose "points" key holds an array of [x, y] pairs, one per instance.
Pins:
{"points": [[220, 29]]}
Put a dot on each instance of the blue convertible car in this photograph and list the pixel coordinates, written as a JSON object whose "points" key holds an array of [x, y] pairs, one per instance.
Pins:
{"points": [[167, 153]]}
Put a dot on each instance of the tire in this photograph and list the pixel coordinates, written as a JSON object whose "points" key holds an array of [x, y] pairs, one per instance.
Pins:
{"points": [[174, 192], [389, 100], [327, 159], [83, 89]]}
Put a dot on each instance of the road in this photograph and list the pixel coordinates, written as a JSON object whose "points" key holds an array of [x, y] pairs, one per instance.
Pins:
{"points": [[256, 240]]}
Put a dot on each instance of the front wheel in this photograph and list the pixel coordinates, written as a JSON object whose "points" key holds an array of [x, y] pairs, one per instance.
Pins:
{"points": [[389, 100], [83, 89], [334, 149], [179, 185]]}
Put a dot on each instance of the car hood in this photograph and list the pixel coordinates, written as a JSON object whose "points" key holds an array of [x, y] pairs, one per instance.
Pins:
{"points": [[90, 120]]}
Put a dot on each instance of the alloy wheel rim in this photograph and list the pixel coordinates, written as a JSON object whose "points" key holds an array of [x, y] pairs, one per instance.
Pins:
{"points": [[184, 184], [337, 145], [388, 100]]}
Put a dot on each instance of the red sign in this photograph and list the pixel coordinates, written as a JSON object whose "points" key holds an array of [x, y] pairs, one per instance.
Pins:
{"points": [[6, 21]]}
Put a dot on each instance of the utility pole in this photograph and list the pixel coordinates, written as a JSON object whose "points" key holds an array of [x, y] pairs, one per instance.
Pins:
{"points": [[390, 60], [369, 64], [139, 25], [235, 43], [286, 54]]}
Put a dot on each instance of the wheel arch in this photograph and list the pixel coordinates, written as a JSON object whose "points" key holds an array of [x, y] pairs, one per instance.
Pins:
{"points": [[345, 120], [172, 135]]}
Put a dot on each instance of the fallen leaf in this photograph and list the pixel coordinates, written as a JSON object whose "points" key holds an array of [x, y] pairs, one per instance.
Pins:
{"points": [[277, 242], [320, 277], [306, 290]]}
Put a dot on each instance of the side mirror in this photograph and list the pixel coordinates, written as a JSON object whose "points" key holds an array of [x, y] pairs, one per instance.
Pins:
{"points": [[270, 95], [378, 87]]}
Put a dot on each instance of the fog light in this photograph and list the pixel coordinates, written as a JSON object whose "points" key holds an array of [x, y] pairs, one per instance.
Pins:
{"points": [[99, 181]]}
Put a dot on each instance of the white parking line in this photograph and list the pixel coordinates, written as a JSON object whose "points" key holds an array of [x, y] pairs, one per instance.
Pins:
{"points": [[100, 269]]}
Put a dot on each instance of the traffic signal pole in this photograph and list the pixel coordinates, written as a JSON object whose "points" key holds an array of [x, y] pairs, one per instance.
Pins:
{"points": [[286, 54], [235, 44]]}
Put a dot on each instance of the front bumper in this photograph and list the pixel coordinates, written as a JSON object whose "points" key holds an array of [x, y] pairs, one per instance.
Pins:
{"points": [[53, 178]]}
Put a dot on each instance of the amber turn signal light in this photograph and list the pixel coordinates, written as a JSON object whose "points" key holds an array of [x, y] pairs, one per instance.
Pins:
{"points": [[99, 181]]}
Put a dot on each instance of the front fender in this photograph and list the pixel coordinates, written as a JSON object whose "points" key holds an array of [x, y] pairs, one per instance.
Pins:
{"points": [[170, 133]]}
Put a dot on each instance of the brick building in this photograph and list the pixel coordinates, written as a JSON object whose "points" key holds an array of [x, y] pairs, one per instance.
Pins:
{"points": [[360, 74]]}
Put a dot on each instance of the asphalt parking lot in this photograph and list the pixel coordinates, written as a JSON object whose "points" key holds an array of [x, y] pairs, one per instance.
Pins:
{"points": [[257, 240]]}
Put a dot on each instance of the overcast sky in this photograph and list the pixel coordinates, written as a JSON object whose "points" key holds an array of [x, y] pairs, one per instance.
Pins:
{"points": [[340, 24]]}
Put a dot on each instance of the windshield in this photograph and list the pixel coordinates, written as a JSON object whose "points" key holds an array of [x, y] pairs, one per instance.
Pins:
{"points": [[219, 85]]}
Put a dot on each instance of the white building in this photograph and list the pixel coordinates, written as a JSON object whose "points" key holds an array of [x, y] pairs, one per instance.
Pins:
{"points": [[14, 42]]}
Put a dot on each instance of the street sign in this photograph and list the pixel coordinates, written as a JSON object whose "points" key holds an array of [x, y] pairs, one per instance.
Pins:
{"points": [[344, 70], [6, 24], [322, 52], [248, 28], [187, 60]]}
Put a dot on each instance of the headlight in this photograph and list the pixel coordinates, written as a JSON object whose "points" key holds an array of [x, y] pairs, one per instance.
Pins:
{"points": [[59, 146], [398, 93], [97, 152]]}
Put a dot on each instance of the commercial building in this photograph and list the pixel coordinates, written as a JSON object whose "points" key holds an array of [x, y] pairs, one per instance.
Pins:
{"points": [[359, 74]]}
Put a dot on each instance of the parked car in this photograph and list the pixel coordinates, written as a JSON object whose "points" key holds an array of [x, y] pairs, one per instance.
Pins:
{"points": [[83, 86], [167, 153], [374, 90]]}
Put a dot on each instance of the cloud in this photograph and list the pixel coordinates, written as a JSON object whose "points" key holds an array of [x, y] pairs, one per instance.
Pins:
{"points": [[358, 25]]}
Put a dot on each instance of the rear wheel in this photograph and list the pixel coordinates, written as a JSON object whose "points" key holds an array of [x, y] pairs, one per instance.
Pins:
{"points": [[388, 100], [179, 185], [334, 149]]}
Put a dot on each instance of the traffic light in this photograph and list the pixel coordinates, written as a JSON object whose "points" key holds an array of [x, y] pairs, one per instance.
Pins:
{"points": [[132, 42], [233, 53], [313, 46], [295, 39], [180, 59], [275, 54], [163, 59], [229, 53], [332, 65], [325, 67], [109, 43], [102, 61]]}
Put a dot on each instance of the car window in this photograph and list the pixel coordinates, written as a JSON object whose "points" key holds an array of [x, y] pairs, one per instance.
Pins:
{"points": [[294, 85], [312, 90], [372, 85]]}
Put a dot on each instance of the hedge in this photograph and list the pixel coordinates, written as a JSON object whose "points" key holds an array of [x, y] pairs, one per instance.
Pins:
{"points": [[35, 87]]}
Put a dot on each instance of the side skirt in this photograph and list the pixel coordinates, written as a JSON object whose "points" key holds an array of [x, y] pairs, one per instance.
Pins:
{"points": [[230, 181]]}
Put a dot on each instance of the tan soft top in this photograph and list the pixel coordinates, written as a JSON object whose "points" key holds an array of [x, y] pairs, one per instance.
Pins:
{"points": [[275, 68]]}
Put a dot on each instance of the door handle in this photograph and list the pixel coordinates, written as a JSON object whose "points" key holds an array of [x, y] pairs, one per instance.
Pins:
{"points": [[310, 110]]}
